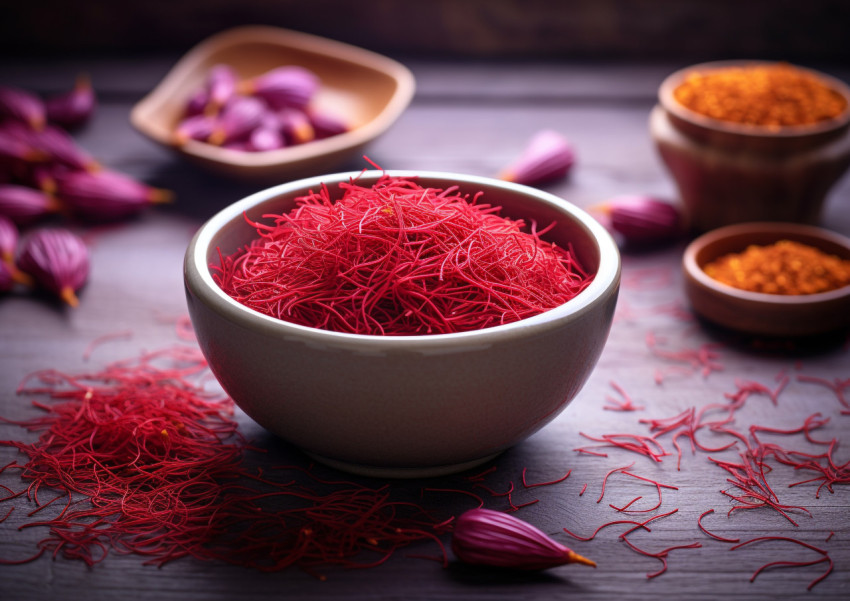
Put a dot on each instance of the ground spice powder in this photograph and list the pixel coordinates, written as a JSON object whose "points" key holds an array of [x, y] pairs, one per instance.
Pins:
{"points": [[785, 267], [772, 95]]}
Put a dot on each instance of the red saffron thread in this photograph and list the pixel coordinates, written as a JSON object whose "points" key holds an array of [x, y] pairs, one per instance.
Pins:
{"points": [[398, 259]]}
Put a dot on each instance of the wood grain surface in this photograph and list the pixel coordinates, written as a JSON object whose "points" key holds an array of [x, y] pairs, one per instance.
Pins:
{"points": [[470, 118]]}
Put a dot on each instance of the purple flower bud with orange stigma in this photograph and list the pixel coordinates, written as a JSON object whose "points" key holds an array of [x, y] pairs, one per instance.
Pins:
{"points": [[289, 86], [642, 220], [12, 148], [22, 106], [107, 195], [73, 108], [326, 125], [197, 103], [265, 138], [548, 156], [296, 126], [7, 282], [8, 245], [241, 115], [221, 86], [63, 149], [23, 205], [58, 260], [493, 538], [197, 127]]}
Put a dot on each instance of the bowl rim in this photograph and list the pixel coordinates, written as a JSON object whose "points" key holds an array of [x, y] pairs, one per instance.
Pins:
{"points": [[693, 269], [199, 280], [672, 81], [331, 49]]}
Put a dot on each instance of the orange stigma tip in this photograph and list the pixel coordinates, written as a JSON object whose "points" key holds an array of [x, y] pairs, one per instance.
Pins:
{"points": [[574, 557], [21, 278], [164, 432], [160, 196], [507, 176], [600, 208], [217, 138], [68, 295], [304, 133]]}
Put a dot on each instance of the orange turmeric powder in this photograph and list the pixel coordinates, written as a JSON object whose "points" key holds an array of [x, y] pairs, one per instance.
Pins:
{"points": [[771, 95], [785, 267]]}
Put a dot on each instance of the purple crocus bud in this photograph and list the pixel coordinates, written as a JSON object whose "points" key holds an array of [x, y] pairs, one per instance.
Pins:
{"points": [[63, 149], [289, 86], [642, 220], [107, 195], [8, 245], [197, 103], [296, 126], [23, 205], [12, 148], [73, 108], [7, 282], [265, 138], [58, 260], [22, 106], [197, 127], [548, 156], [493, 538], [326, 125], [8, 239], [241, 115], [221, 86]]}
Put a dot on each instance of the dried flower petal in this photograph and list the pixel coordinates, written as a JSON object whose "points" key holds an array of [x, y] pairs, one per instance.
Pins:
{"points": [[547, 157], [25, 205], [22, 106], [237, 119], [58, 260], [63, 149], [107, 195], [643, 220], [288, 86], [493, 538], [73, 108]]}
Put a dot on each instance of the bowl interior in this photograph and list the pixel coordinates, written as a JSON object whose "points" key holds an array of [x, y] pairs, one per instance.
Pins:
{"points": [[368, 91], [673, 81], [736, 239], [228, 231]]}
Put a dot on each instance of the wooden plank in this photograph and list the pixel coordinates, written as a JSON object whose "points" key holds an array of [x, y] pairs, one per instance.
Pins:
{"points": [[136, 285]]}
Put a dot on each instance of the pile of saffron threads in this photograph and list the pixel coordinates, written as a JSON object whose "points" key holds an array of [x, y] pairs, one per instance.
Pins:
{"points": [[399, 259], [141, 458]]}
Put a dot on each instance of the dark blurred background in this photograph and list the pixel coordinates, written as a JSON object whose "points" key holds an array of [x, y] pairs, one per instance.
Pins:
{"points": [[794, 30]]}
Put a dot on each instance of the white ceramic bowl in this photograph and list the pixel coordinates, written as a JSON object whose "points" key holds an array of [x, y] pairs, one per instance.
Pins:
{"points": [[404, 406]]}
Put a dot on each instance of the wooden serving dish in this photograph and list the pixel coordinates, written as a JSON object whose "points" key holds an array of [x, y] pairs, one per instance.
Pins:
{"points": [[755, 312], [367, 90]]}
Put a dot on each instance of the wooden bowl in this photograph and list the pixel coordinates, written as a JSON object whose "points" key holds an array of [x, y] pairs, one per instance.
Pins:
{"points": [[731, 173], [367, 90], [758, 313]]}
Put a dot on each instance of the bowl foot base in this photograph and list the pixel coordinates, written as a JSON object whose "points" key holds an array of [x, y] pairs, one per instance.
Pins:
{"points": [[376, 471]]}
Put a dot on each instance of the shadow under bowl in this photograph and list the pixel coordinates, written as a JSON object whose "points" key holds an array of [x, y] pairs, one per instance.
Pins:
{"points": [[775, 315], [366, 90], [404, 406]]}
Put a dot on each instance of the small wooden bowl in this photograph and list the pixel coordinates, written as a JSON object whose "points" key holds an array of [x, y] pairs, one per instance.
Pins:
{"points": [[367, 90], [758, 313], [731, 173]]}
